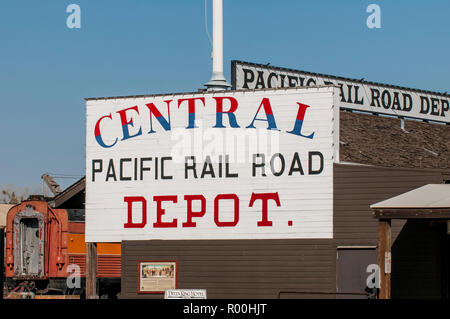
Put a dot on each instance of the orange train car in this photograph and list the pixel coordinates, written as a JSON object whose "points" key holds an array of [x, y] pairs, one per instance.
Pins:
{"points": [[45, 252]]}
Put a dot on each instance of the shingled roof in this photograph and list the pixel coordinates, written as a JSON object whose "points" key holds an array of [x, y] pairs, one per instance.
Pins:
{"points": [[380, 141]]}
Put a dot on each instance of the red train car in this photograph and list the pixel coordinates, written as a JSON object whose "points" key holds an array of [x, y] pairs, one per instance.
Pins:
{"points": [[45, 250]]}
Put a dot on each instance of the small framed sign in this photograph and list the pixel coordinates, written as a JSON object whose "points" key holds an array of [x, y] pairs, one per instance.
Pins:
{"points": [[387, 262], [157, 276], [185, 294]]}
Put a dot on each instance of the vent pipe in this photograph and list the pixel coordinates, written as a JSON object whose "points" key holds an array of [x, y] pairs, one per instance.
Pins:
{"points": [[218, 81]]}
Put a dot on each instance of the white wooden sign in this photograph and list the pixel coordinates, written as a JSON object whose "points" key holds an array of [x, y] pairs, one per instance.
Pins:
{"points": [[353, 94], [219, 165], [185, 294]]}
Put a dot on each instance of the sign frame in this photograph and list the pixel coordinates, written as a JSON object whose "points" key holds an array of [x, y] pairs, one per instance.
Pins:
{"points": [[185, 293], [169, 263], [115, 212]]}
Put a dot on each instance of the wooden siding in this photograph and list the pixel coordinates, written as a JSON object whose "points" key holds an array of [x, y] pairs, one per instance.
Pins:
{"points": [[236, 268], [357, 187], [266, 268]]}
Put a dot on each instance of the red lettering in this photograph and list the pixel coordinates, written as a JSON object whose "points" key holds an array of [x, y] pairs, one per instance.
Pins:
{"points": [[220, 112], [130, 201], [190, 212], [200, 212], [161, 211], [236, 210], [191, 109], [126, 123], [265, 197]]}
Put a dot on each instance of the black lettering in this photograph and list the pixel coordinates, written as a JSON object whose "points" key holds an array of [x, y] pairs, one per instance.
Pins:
{"points": [[434, 106], [162, 167], [386, 104], [282, 76], [121, 177], [227, 168], [249, 76], [360, 102], [444, 109], [302, 80], [396, 101], [311, 82], [262, 165], [260, 80], [111, 171], [192, 167], [220, 165], [207, 168], [96, 170], [407, 106], [375, 97], [272, 168], [349, 96], [142, 168], [296, 165], [310, 158], [292, 81], [269, 79], [341, 88], [422, 105]]}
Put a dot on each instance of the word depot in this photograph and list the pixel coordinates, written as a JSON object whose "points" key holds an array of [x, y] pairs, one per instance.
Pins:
{"points": [[189, 221]]}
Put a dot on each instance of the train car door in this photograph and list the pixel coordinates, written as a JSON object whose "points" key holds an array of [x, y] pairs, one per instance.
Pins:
{"points": [[29, 244]]}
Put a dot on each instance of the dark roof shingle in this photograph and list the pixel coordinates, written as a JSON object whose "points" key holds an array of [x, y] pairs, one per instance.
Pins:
{"points": [[376, 140]]}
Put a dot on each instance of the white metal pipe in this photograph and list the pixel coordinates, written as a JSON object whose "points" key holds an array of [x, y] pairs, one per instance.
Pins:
{"points": [[217, 36], [218, 81]]}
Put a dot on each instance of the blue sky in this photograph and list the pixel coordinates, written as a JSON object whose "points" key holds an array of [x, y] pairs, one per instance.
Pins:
{"points": [[155, 46]]}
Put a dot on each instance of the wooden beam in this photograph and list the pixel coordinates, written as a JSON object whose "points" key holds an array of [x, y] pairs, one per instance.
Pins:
{"points": [[70, 192], [91, 271], [384, 257], [411, 213]]}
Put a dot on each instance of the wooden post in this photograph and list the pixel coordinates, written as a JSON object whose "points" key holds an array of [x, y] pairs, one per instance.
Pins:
{"points": [[91, 271], [384, 257]]}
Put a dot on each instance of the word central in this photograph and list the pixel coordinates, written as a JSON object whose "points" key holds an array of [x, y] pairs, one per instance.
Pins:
{"points": [[224, 106]]}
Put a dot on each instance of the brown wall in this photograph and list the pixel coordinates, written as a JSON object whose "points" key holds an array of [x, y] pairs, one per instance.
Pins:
{"points": [[264, 268], [236, 268], [357, 187]]}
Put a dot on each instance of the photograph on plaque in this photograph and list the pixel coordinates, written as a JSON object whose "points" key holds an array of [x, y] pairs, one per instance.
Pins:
{"points": [[157, 276]]}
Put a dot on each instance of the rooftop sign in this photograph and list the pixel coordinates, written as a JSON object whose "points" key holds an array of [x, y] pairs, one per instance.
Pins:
{"points": [[354, 94]]}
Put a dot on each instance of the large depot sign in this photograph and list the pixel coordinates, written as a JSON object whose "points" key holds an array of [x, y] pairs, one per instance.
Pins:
{"points": [[219, 165], [353, 94]]}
